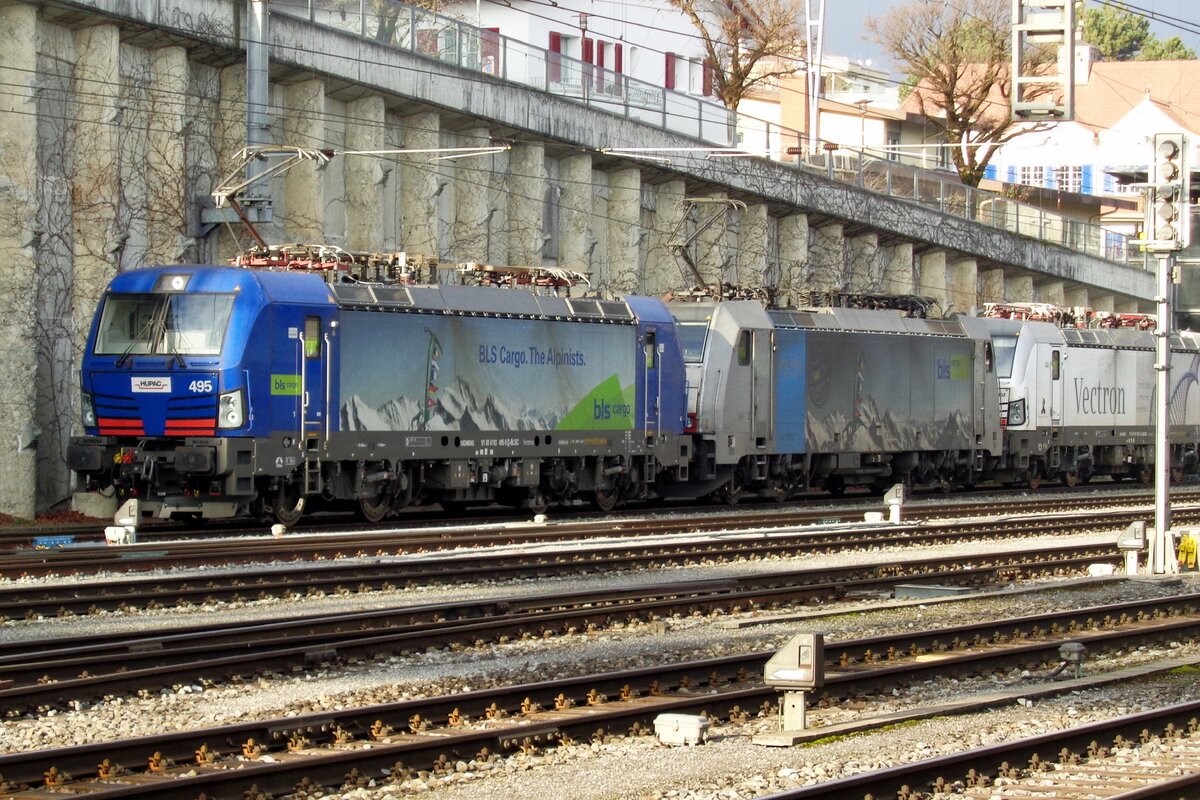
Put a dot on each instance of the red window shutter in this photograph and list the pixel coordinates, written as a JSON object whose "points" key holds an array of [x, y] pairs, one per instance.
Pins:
{"points": [[708, 79], [553, 62], [601, 46], [670, 81], [587, 50], [619, 59], [427, 41]]}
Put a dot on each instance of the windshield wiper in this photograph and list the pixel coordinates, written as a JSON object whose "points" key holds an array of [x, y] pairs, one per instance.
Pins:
{"points": [[144, 336]]}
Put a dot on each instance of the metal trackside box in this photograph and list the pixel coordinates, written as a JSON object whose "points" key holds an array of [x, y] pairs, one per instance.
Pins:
{"points": [[799, 664]]}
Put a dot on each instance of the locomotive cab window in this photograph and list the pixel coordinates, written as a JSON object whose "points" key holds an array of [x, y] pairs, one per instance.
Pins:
{"points": [[1004, 349], [1055, 365], [744, 348], [651, 348], [691, 336], [989, 357], [312, 337], [163, 324]]}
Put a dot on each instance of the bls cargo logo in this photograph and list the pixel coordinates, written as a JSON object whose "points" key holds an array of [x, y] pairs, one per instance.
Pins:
{"points": [[152, 385], [602, 409], [953, 368]]}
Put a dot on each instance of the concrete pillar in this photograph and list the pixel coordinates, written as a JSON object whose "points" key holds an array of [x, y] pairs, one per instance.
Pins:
{"points": [[1102, 302], [1076, 297], [474, 213], [576, 237], [964, 286], [792, 291], [98, 239], [992, 286], [421, 183], [367, 177], [665, 269], [862, 263], [934, 282], [712, 258], [19, 234], [1127, 306], [1020, 288], [304, 185], [1051, 292], [528, 183], [898, 273], [231, 137], [752, 246], [827, 258], [166, 166], [625, 232]]}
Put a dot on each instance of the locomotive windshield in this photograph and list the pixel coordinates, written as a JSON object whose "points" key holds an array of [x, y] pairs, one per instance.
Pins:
{"points": [[163, 324], [1005, 348], [691, 337]]}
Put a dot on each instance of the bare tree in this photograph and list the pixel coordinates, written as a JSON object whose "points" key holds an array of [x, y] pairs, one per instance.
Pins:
{"points": [[747, 46], [959, 55]]}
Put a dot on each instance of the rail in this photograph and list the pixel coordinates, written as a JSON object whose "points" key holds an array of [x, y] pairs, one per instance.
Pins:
{"points": [[487, 52]]}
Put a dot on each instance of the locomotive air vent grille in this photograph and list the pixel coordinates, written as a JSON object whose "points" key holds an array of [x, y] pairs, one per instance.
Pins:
{"points": [[615, 309], [585, 308], [392, 296], [355, 295]]}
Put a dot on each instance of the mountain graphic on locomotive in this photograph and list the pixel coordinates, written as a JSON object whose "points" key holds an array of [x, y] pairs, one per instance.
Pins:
{"points": [[211, 392]]}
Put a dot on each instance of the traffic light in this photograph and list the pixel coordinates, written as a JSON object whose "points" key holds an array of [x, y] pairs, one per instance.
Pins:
{"points": [[1170, 212]]}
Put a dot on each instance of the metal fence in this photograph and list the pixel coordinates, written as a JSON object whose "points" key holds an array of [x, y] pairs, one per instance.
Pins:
{"points": [[460, 44]]}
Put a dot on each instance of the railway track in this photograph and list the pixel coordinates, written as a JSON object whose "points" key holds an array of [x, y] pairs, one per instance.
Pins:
{"points": [[19, 601], [92, 558], [650, 541], [432, 733], [687, 545], [18, 538], [60, 671]]}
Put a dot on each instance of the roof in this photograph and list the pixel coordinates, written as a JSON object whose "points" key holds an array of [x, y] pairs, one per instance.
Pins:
{"points": [[1115, 87]]}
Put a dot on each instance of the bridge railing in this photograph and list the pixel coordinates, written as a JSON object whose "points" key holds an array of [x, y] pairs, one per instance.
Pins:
{"points": [[498, 57]]}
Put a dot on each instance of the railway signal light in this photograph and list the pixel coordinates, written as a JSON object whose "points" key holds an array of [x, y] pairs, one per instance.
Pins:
{"points": [[1169, 214]]}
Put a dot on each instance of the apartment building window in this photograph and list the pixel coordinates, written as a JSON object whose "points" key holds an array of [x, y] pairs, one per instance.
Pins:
{"points": [[1032, 176], [1068, 179]]}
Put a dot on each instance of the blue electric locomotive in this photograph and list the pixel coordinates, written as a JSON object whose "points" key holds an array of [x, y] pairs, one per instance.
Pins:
{"points": [[218, 392]]}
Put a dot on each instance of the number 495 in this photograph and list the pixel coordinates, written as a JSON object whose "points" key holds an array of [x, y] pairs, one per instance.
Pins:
{"points": [[200, 386]]}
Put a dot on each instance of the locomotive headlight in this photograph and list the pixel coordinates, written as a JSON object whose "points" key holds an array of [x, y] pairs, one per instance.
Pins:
{"points": [[231, 412], [88, 411], [1016, 412]]}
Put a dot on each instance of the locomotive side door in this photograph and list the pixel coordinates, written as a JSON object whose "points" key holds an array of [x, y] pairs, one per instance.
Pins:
{"points": [[1050, 386], [762, 358], [313, 355], [651, 379], [1057, 354]]}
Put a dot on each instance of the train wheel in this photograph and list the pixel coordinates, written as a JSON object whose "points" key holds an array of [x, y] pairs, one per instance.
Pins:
{"points": [[374, 509], [1145, 474], [1033, 478], [729, 494], [288, 505], [1176, 474], [835, 485], [605, 499], [1070, 479]]}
